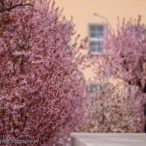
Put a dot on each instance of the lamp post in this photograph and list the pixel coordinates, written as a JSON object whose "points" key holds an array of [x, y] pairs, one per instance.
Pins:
{"points": [[105, 51], [101, 16]]}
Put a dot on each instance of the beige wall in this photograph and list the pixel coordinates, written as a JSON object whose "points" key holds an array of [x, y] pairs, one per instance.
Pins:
{"points": [[82, 10]]}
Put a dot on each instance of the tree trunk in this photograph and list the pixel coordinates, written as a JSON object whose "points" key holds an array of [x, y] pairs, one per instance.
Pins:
{"points": [[144, 91]]}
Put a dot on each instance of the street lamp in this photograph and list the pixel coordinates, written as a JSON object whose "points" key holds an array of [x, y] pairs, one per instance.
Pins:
{"points": [[105, 51], [101, 16]]}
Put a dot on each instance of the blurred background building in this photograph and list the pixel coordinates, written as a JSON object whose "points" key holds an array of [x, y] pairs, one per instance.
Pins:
{"points": [[91, 18]]}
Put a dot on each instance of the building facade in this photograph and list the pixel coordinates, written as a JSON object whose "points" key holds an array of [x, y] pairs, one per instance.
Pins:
{"points": [[91, 17]]}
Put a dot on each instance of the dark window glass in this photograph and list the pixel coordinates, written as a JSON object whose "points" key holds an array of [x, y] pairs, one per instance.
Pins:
{"points": [[95, 45], [96, 30], [93, 87]]}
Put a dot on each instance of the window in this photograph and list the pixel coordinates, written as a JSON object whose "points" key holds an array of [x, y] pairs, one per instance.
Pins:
{"points": [[93, 87], [96, 34], [96, 30], [136, 31], [96, 46]]}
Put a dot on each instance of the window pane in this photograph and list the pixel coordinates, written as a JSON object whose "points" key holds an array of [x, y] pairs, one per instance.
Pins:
{"points": [[96, 30], [100, 33], [93, 34], [96, 34], [95, 46], [93, 87], [92, 27], [99, 27]]}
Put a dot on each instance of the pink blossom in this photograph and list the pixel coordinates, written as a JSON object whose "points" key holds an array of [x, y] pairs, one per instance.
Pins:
{"points": [[40, 87]]}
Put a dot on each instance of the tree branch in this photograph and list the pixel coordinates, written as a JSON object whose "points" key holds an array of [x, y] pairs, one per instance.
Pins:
{"points": [[13, 7]]}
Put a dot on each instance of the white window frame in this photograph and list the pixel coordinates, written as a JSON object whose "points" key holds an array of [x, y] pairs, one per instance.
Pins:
{"points": [[97, 39]]}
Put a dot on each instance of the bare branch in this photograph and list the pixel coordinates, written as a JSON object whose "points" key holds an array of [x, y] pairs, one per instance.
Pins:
{"points": [[13, 7]]}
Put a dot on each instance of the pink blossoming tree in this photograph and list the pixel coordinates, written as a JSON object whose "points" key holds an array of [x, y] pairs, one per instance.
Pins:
{"points": [[126, 57], [112, 109], [41, 93]]}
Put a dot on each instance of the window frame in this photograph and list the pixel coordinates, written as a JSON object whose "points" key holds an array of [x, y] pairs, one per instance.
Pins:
{"points": [[100, 39]]}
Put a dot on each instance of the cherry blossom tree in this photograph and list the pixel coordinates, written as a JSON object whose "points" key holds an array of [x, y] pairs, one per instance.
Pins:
{"points": [[41, 92], [126, 57], [112, 109], [8, 5]]}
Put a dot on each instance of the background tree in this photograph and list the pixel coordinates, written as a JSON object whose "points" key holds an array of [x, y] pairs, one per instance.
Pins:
{"points": [[126, 57], [41, 93], [112, 109]]}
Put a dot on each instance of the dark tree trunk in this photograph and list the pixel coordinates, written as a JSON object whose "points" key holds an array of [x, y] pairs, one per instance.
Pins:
{"points": [[145, 109], [144, 91], [145, 128]]}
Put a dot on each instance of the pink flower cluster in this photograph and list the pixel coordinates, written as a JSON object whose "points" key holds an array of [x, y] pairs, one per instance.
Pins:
{"points": [[41, 93], [113, 110], [126, 57]]}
